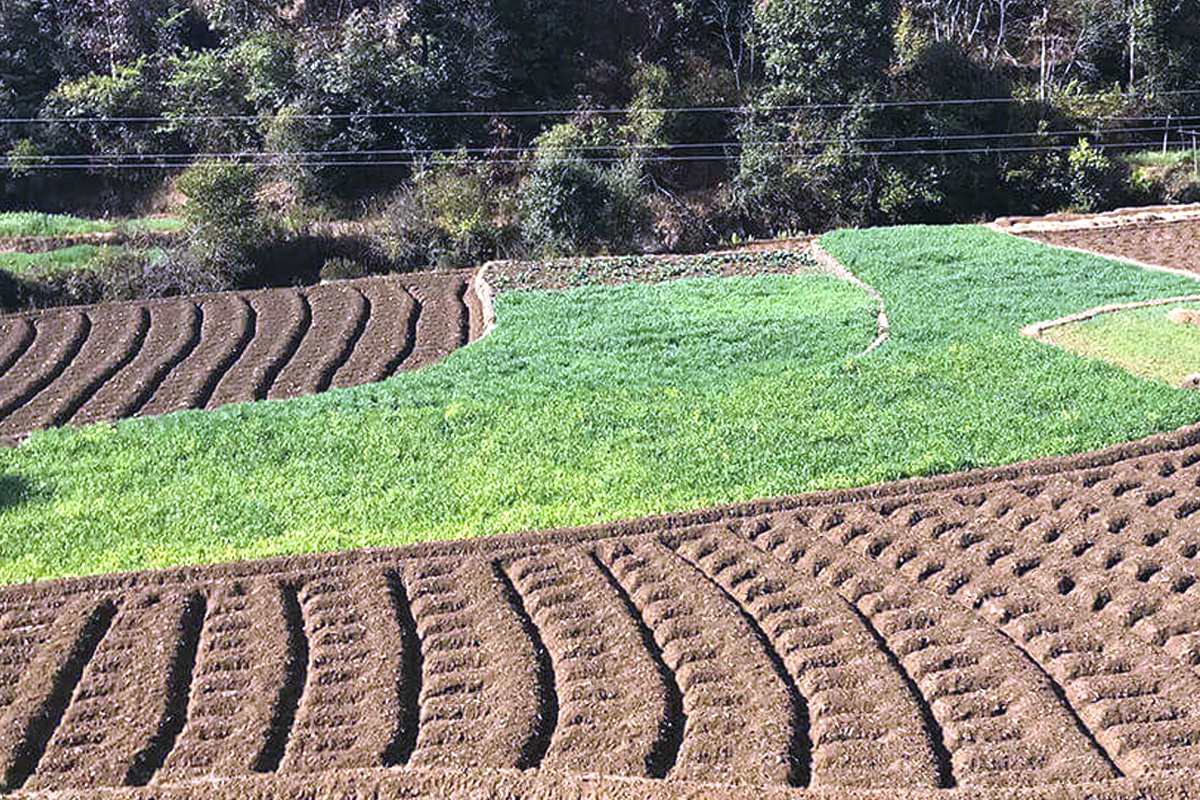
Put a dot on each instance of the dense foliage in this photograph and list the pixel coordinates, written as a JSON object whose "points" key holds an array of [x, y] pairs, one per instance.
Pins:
{"points": [[781, 114]]}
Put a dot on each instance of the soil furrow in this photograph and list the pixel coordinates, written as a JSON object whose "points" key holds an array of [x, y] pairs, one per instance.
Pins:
{"points": [[868, 723], [352, 706], [740, 721], [281, 318], [148, 760], [547, 713], [287, 702], [387, 339], [59, 339], [480, 671], [404, 740], [112, 342], [241, 670], [664, 752], [339, 313], [442, 325], [227, 326], [998, 714], [990, 567], [46, 685], [18, 335], [174, 333], [129, 678], [612, 704]]}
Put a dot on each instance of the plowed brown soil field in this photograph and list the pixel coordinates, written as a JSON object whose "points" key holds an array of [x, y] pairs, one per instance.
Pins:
{"points": [[86, 364], [1030, 631], [1169, 244]]}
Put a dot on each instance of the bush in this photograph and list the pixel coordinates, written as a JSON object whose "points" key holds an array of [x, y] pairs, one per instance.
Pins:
{"points": [[126, 273], [221, 216], [455, 213], [575, 201], [1096, 182]]}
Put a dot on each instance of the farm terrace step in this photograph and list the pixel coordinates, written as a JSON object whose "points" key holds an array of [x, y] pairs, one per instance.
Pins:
{"points": [[971, 635], [89, 364]]}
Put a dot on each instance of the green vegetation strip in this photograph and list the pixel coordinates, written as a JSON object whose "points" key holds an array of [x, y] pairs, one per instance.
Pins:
{"points": [[595, 404], [1141, 340], [63, 258], [33, 223]]}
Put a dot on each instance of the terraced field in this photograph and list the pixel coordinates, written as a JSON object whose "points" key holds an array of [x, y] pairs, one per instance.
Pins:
{"points": [[1022, 631], [86, 364]]}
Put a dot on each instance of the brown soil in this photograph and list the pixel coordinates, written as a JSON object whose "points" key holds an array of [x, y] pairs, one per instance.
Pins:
{"points": [[1027, 631], [1168, 244], [88, 364]]}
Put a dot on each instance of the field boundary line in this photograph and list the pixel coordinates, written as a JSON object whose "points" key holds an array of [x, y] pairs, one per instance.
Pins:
{"points": [[837, 269], [486, 296], [1036, 330]]}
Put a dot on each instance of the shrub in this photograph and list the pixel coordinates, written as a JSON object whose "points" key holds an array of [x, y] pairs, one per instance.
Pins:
{"points": [[575, 200], [454, 213], [1096, 182], [221, 215]]}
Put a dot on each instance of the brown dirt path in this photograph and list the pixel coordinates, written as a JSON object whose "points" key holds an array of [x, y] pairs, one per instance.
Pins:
{"points": [[1026, 631]]}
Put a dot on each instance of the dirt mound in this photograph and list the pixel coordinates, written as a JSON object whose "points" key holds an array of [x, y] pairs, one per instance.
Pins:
{"points": [[87, 364], [973, 635]]}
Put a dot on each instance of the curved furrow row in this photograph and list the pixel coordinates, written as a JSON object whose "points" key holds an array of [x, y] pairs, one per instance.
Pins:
{"points": [[174, 333], [339, 316], [443, 323], [1148, 723], [116, 334], [742, 724], [283, 317], [59, 338], [388, 338], [480, 689], [353, 705], [241, 669], [42, 664], [142, 687], [1003, 719], [227, 326], [23, 630], [867, 726], [615, 711], [16, 334]]}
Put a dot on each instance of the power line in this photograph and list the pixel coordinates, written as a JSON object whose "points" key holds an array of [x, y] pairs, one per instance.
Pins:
{"points": [[606, 148], [501, 113], [101, 163]]}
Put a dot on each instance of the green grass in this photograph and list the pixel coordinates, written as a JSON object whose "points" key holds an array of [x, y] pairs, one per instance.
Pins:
{"points": [[32, 223], [1140, 340], [597, 404], [1157, 158], [63, 258]]}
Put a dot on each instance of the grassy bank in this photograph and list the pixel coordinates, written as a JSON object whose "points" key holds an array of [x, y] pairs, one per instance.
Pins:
{"points": [[595, 404]]}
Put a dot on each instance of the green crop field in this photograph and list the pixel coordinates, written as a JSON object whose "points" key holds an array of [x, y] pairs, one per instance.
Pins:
{"points": [[1141, 340], [62, 258], [32, 223], [595, 404]]}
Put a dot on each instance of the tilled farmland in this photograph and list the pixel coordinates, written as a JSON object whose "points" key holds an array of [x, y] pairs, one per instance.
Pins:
{"points": [[73, 366], [1024, 631]]}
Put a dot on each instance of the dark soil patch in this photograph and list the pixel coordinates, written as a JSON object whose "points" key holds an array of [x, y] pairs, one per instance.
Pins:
{"points": [[87, 364], [1167, 244], [967, 635]]}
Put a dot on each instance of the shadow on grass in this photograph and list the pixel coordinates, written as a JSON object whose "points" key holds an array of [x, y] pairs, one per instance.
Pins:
{"points": [[14, 490]]}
